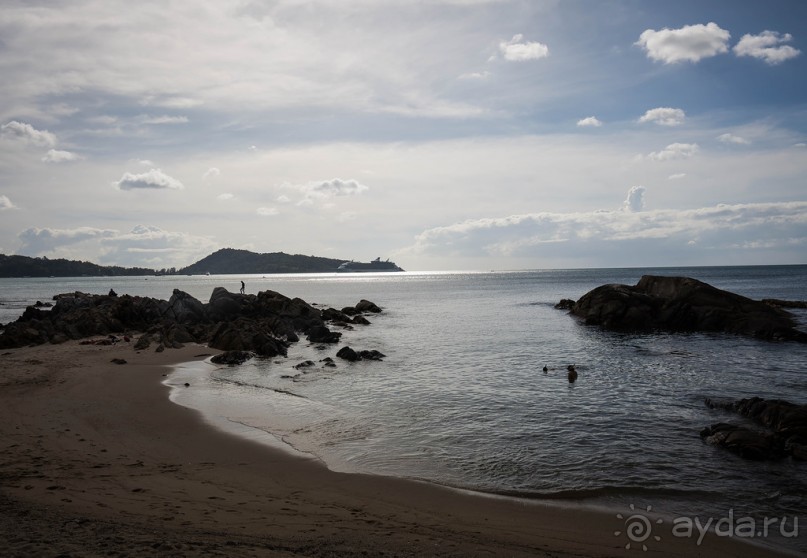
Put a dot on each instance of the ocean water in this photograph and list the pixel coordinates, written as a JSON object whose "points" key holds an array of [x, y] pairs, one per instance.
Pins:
{"points": [[461, 398]]}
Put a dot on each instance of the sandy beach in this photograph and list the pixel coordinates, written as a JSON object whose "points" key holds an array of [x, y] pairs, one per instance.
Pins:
{"points": [[98, 462]]}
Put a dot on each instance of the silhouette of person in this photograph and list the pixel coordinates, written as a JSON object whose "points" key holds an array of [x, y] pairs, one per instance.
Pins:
{"points": [[242, 287]]}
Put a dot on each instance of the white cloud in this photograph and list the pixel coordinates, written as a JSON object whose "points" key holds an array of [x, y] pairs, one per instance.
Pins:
{"points": [[731, 138], [589, 121], [690, 43], [154, 179], [767, 46], [518, 50], [267, 211], [5, 203], [332, 188], [603, 234], [36, 241], [164, 119], [635, 200], [225, 196], [677, 176], [150, 246], [28, 134], [58, 156], [476, 75], [664, 116], [283, 198], [212, 172], [675, 151]]}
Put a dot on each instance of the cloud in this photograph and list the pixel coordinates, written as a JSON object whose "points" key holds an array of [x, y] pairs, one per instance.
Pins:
{"points": [[677, 176], [475, 75], [58, 156], [28, 134], [165, 119], [5, 203], [150, 246], [609, 234], [690, 43], [36, 241], [635, 200], [267, 211], [675, 151], [517, 50], [155, 179], [664, 116], [767, 46], [589, 121], [731, 138], [332, 188], [212, 172]]}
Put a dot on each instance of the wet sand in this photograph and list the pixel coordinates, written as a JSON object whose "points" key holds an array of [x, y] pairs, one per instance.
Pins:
{"points": [[96, 461]]}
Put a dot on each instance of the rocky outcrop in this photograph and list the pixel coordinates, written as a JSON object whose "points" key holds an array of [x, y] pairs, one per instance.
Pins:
{"points": [[264, 324], [351, 355], [682, 304], [785, 424]]}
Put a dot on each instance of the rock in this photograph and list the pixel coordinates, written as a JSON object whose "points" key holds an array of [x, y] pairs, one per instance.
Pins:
{"points": [[321, 334], [119, 360], [350, 311], [143, 342], [786, 421], [348, 354], [247, 335], [304, 364], [565, 304], [785, 303], [184, 309], [367, 306], [333, 315], [360, 320], [371, 355], [744, 442], [232, 358], [160, 348], [685, 305]]}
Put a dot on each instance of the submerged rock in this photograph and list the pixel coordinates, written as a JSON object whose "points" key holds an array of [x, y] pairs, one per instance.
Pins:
{"points": [[683, 304], [232, 358]]}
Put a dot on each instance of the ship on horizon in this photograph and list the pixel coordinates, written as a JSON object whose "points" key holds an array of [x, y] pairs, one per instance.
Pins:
{"points": [[367, 267]]}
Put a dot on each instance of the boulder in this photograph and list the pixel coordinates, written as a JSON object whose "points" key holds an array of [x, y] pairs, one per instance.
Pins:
{"points": [[743, 441], [367, 306], [348, 354], [232, 358], [321, 334], [685, 305]]}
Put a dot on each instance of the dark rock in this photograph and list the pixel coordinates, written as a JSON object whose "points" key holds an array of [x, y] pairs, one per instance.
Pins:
{"points": [[119, 360], [348, 354], [40, 304], [743, 441], [371, 355], [243, 334], [565, 304], [367, 306], [360, 320], [786, 421], [350, 310], [785, 303], [143, 342], [232, 358], [321, 334], [333, 315], [683, 304], [160, 348]]}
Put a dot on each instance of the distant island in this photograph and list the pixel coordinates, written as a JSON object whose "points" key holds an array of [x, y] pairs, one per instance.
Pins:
{"points": [[224, 261]]}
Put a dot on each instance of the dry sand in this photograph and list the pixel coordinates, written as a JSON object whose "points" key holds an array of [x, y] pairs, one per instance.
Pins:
{"points": [[98, 462]]}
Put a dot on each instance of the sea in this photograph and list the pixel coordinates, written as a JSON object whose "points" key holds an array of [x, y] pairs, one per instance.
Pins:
{"points": [[461, 398]]}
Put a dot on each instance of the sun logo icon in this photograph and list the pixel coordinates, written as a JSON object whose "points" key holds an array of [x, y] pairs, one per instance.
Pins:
{"points": [[638, 528]]}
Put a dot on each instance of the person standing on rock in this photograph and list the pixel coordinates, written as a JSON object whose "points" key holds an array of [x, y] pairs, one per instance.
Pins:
{"points": [[243, 286]]}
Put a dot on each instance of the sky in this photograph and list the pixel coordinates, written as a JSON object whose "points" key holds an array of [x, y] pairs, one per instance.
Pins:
{"points": [[442, 134]]}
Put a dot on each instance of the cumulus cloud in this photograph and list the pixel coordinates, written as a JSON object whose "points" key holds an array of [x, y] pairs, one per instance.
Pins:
{"points": [[476, 75], [664, 116], [212, 172], [677, 176], [767, 46], [605, 233], [59, 156], [330, 189], [690, 43], [589, 121], [267, 211], [519, 50], [150, 246], [731, 138], [675, 151], [154, 179], [225, 196], [36, 241], [26, 133], [164, 119], [5, 203], [635, 200]]}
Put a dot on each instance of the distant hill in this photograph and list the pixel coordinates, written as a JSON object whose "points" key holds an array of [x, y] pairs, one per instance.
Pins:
{"points": [[24, 266], [229, 260]]}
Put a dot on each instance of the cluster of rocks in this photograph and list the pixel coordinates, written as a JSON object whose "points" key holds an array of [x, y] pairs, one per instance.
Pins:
{"points": [[683, 304], [240, 324], [785, 434]]}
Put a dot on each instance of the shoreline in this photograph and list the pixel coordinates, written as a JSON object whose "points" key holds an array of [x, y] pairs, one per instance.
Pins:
{"points": [[98, 459]]}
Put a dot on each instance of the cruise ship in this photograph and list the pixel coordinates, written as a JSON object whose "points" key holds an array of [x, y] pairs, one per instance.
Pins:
{"points": [[374, 266]]}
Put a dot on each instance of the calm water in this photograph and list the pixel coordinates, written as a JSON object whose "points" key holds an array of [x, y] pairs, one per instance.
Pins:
{"points": [[461, 398]]}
